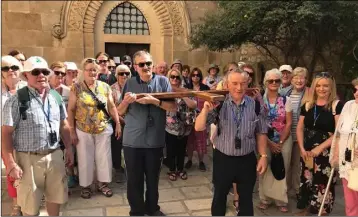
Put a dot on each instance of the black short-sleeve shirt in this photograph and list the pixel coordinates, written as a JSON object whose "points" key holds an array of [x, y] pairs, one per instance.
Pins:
{"points": [[324, 117]]}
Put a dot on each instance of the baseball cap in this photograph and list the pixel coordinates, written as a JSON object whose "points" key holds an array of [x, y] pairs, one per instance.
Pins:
{"points": [[70, 66], [285, 68], [126, 59]]}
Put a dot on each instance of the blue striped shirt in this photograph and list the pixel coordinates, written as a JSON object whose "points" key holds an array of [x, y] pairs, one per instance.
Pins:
{"points": [[250, 125]]}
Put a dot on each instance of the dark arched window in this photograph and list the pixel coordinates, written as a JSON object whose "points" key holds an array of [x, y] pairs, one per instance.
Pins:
{"points": [[126, 19]]}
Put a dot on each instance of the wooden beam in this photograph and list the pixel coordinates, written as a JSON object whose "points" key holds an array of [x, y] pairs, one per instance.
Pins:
{"points": [[210, 97]]}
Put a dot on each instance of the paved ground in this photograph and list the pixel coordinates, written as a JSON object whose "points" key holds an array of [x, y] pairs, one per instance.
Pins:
{"points": [[180, 198]]}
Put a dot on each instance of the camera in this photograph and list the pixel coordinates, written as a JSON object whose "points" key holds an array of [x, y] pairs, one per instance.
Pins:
{"points": [[53, 137], [237, 143], [101, 106], [348, 155], [211, 82]]}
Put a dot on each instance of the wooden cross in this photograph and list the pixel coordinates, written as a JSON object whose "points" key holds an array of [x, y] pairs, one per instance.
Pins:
{"points": [[208, 95]]}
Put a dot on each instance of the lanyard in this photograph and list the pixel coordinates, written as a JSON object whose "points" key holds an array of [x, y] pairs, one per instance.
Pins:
{"points": [[236, 119], [315, 116], [272, 115], [48, 114]]}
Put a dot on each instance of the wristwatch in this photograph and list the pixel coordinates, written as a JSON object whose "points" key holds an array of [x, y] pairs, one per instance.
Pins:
{"points": [[263, 155], [160, 103], [281, 142]]}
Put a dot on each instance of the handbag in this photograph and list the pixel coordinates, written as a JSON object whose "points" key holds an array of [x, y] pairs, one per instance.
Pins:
{"points": [[278, 166]]}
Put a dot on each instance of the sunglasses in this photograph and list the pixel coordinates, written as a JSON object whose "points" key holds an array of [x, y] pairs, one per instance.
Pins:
{"points": [[111, 67], [58, 73], [127, 63], [196, 75], [175, 77], [354, 90], [251, 74], [277, 81], [37, 72], [91, 60], [323, 75], [123, 73], [102, 61], [7, 68], [148, 64]]}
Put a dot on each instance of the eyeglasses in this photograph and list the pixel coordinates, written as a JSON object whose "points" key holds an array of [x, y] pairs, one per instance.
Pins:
{"points": [[127, 63], [21, 60], [7, 68], [196, 75], [148, 64], [175, 77], [276, 81], [91, 60], [58, 73], [323, 75], [37, 72], [102, 61], [91, 70], [123, 73]]}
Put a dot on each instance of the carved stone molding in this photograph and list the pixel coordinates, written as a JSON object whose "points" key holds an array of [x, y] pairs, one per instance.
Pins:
{"points": [[81, 15]]}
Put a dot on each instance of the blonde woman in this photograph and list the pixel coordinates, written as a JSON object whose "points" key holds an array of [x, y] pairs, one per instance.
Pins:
{"points": [[298, 95], [91, 129], [345, 143], [279, 142], [315, 129], [122, 73]]}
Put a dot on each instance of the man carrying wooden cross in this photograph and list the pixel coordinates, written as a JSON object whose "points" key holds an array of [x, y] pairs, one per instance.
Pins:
{"points": [[144, 134], [241, 129]]}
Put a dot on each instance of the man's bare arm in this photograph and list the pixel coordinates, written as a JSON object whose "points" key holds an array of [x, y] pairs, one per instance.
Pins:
{"points": [[65, 133], [7, 147]]}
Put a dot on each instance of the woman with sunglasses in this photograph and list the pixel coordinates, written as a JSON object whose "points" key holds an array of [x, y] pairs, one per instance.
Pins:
{"points": [[315, 128], [178, 127], [105, 73], [279, 142], [123, 73], [90, 109], [10, 83], [197, 139], [345, 151]]}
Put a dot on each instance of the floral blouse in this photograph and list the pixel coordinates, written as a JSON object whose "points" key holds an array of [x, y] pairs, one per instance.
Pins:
{"points": [[88, 117], [277, 117], [116, 92], [180, 123]]}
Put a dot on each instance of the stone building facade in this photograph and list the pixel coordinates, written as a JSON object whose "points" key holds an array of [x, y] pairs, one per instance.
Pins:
{"points": [[72, 30]]}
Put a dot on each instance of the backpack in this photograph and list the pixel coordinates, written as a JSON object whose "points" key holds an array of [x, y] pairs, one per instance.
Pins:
{"points": [[257, 112], [24, 100]]}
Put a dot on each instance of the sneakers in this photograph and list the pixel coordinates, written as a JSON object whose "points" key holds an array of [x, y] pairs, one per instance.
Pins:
{"points": [[202, 167], [188, 164]]}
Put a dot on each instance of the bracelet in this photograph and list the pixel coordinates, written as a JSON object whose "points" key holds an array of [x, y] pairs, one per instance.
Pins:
{"points": [[160, 103], [263, 155]]}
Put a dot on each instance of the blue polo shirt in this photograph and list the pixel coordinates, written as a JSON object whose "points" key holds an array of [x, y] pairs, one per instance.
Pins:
{"points": [[138, 132]]}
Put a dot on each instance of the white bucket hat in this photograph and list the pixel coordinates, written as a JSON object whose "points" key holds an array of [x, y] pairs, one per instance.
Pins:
{"points": [[71, 66], [32, 63]]}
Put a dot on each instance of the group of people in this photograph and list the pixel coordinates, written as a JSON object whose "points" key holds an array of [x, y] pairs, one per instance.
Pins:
{"points": [[58, 117]]}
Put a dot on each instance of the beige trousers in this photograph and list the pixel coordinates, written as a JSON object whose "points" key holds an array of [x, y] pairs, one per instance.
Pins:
{"points": [[293, 178], [94, 153]]}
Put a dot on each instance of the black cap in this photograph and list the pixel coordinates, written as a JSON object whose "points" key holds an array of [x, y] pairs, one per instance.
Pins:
{"points": [[126, 58]]}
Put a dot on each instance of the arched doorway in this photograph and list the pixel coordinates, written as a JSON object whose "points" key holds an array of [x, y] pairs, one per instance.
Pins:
{"points": [[126, 19], [125, 27]]}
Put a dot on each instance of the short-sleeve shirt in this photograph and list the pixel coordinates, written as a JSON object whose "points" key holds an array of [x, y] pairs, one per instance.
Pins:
{"points": [[110, 79], [324, 118], [89, 118], [138, 132], [33, 134], [249, 126]]}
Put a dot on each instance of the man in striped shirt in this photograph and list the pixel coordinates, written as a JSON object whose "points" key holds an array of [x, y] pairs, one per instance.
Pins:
{"points": [[241, 132]]}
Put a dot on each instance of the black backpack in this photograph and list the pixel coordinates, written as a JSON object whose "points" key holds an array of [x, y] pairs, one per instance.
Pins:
{"points": [[24, 100]]}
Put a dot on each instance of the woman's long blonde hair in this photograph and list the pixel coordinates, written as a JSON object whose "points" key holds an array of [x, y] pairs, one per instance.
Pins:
{"points": [[312, 97]]}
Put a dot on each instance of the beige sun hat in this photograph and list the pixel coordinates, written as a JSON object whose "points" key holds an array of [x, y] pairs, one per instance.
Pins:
{"points": [[34, 62]]}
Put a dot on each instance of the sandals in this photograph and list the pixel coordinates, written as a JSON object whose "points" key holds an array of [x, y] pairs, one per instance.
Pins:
{"points": [[105, 190], [183, 175], [263, 206], [86, 193], [283, 209], [16, 211], [172, 176]]}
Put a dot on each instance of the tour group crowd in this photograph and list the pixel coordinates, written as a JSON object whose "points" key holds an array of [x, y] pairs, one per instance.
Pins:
{"points": [[65, 125]]}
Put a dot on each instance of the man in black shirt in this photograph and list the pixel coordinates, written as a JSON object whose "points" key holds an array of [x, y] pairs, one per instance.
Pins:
{"points": [[105, 74]]}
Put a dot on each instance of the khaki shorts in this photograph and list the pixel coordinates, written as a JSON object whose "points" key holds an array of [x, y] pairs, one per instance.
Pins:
{"points": [[42, 175]]}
